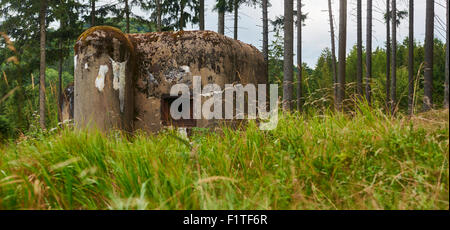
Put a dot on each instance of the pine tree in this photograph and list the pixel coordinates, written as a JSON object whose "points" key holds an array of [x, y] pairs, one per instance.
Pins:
{"points": [[394, 58], [67, 13], [446, 93], [369, 52], [177, 14], [92, 13], [388, 54], [342, 54], [359, 69], [428, 66], [201, 14], [265, 37], [42, 66], [299, 55], [158, 15], [127, 16], [221, 7], [333, 53], [236, 4], [411, 59], [288, 54]]}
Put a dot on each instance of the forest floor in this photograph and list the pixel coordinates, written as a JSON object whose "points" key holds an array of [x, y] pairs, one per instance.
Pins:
{"points": [[364, 161]]}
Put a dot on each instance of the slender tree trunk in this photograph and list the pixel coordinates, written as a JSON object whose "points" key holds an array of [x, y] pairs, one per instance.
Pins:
{"points": [[265, 38], [201, 14], [411, 59], [394, 58], [288, 53], [221, 20], [60, 69], [446, 95], [333, 52], [342, 53], [127, 15], [64, 42], [42, 25], [369, 53], [388, 55], [92, 13], [429, 45], [181, 24], [158, 15], [299, 55], [236, 18], [359, 69]]}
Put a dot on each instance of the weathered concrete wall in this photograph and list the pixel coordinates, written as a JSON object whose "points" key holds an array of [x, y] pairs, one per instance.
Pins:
{"points": [[104, 80], [153, 63], [167, 58]]}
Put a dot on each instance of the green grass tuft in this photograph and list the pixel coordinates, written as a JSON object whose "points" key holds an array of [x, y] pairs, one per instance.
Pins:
{"points": [[331, 161]]}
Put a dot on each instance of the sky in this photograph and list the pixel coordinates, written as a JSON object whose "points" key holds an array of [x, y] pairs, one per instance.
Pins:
{"points": [[316, 35]]}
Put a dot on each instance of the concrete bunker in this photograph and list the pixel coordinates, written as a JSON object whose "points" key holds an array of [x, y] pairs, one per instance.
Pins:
{"points": [[123, 80]]}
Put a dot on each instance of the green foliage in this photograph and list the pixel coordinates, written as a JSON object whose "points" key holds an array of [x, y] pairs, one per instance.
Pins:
{"points": [[333, 161], [116, 18], [401, 14], [5, 127], [322, 75], [278, 22], [30, 107], [276, 54], [178, 13], [18, 111], [136, 25]]}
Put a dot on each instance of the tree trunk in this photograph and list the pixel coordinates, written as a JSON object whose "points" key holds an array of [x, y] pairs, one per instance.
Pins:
{"points": [[429, 44], [299, 55], [127, 15], [369, 53], [42, 25], [394, 58], [201, 15], [221, 23], [359, 69], [411, 59], [342, 53], [446, 95], [333, 52], [236, 18], [158, 15], [388, 55], [265, 38], [288, 53], [221, 20], [60, 70], [92, 13], [181, 23]]}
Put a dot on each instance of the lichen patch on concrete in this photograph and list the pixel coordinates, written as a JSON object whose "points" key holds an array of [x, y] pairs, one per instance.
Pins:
{"points": [[119, 74], [75, 58], [186, 68], [100, 80], [176, 75]]}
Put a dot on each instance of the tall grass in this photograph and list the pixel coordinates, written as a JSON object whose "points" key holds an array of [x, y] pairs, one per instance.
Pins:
{"points": [[331, 161]]}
